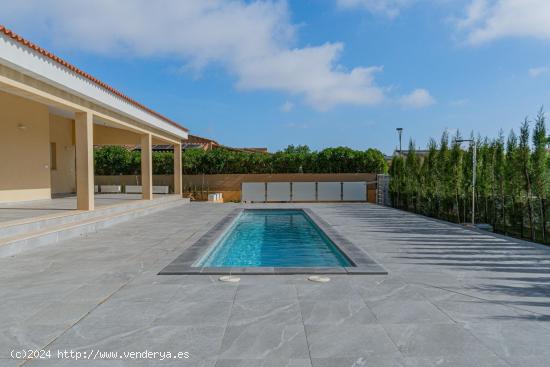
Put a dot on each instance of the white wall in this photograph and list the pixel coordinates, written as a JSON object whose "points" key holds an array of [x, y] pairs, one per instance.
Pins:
{"points": [[278, 191], [253, 192], [354, 191], [304, 191], [329, 191]]}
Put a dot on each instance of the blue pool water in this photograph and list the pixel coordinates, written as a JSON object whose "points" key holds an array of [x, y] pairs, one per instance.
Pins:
{"points": [[274, 238]]}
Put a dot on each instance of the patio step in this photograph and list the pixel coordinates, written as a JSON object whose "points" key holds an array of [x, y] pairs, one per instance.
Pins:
{"points": [[24, 226], [35, 232]]}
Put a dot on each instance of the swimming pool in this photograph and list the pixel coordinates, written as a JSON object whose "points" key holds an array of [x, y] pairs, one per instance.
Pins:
{"points": [[272, 241], [273, 238]]}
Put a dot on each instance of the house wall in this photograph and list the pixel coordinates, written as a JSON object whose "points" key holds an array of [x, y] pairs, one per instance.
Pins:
{"points": [[24, 149], [63, 177]]}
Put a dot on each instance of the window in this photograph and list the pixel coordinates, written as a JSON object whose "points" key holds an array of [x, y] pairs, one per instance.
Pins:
{"points": [[53, 156]]}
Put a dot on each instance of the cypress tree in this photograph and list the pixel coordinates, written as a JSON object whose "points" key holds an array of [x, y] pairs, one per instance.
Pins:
{"points": [[539, 161], [499, 178], [525, 164]]}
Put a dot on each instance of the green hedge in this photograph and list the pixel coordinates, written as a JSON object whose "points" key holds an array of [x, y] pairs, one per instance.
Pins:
{"points": [[512, 189], [114, 160]]}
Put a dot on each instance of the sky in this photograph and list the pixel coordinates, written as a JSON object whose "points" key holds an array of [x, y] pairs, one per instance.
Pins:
{"points": [[316, 72]]}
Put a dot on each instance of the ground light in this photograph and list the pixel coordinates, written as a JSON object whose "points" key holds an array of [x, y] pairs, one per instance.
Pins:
{"points": [[229, 279], [319, 279]]}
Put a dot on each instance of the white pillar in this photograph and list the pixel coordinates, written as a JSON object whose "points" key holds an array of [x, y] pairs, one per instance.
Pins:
{"points": [[146, 167], [177, 169], [84, 137]]}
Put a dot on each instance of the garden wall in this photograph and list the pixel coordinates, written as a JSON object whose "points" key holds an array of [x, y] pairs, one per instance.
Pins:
{"points": [[230, 184]]}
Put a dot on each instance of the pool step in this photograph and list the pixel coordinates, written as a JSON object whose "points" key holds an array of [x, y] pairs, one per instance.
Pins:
{"points": [[29, 234]]}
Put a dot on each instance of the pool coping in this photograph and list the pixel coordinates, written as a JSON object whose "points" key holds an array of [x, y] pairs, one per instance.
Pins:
{"points": [[183, 264]]}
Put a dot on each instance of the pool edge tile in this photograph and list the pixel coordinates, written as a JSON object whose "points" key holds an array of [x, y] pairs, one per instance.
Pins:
{"points": [[362, 263]]}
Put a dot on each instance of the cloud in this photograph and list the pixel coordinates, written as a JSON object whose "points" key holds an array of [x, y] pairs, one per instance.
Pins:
{"points": [[488, 20], [388, 8], [418, 98], [287, 106], [297, 125], [474, 13], [254, 41], [460, 102], [536, 72]]}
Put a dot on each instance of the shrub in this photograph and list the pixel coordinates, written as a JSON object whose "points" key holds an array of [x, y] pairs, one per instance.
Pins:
{"points": [[114, 160]]}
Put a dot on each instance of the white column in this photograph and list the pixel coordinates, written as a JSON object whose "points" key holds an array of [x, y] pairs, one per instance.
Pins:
{"points": [[84, 136], [146, 167], [177, 169]]}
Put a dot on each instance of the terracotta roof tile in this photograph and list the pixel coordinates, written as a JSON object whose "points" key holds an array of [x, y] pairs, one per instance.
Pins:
{"points": [[78, 71]]}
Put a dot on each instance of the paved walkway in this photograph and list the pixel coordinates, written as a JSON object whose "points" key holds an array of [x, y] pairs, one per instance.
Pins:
{"points": [[453, 298]]}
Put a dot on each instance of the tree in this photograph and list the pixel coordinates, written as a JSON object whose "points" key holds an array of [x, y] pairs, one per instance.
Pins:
{"points": [[112, 160], [163, 163], [292, 159], [456, 171], [485, 182], [373, 161], [524, 151], [431, 176], [539, 164], [499, 179], [443, 179], [411, 172], [298, 149], [192, 161], [512, 186], [513, 180], [397, 172]]}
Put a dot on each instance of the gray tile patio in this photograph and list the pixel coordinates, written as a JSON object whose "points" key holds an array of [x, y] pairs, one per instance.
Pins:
{"points": [[36, 208], [452, 297]]}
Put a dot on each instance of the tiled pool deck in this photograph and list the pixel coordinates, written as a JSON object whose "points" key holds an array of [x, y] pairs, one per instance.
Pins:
{"points": [[452, 298], [362, 263]]}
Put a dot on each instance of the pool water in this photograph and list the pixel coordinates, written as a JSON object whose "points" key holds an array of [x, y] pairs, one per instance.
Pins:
{"points": [[274, 238]]}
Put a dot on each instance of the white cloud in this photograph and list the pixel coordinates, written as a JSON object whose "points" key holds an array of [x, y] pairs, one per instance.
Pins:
{"points": [[418, 98], [488, 20], [474, 13], [254, 41], [297, 125], [536, 72], [389, 8], [287, 106], [460, 102]]}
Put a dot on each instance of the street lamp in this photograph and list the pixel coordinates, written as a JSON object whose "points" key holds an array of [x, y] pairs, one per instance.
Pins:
{"points": [[399, 131], [474, 164]]}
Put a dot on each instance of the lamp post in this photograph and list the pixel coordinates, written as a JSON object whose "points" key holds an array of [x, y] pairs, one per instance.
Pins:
{"points": [[399, 132], [474, 164]]}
